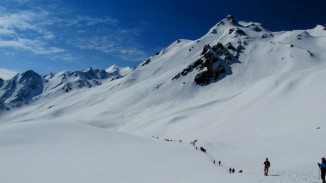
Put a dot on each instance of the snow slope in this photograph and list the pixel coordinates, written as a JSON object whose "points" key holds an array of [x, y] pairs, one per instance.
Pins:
{"points": [[268, 102], [7, 74], [52, 151], [69, 152], [121, 71]]}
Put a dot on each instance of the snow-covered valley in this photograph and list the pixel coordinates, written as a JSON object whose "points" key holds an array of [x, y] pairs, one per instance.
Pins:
{"points": [[251, 94]]}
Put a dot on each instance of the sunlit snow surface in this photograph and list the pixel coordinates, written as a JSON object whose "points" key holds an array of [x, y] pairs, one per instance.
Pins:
{"points": [[7, 74], [271, 106]]}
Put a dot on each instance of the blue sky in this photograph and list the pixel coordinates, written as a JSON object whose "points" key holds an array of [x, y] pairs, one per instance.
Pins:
{"points": [[51, 36]]}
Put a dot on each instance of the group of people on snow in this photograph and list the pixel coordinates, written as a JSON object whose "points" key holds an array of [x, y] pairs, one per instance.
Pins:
{"points": [[321, 165], [231, 170], [219, 162], [267, 164]]}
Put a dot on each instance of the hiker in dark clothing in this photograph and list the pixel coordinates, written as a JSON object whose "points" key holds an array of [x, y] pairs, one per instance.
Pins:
{"points": [[203, 149], [214, 162], [322, 167], [233, 170], [219, 163], [230, 170], [267, 164]]}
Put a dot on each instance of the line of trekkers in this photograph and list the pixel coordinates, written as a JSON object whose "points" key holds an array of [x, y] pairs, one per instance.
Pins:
{"points": [[267, 164]]}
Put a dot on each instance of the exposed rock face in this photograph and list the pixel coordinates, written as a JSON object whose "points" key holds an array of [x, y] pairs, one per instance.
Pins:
{"points": [[22, 88], [1, 82], [147, 61], [254, 27], [213, 65], [231, 19], [237, 31]]}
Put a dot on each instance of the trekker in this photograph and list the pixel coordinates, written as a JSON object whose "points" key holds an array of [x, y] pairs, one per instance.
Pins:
{"points": [[322, 167], [266, 167], [219, 163], [230, 170], [233, 170], [214, 162]]}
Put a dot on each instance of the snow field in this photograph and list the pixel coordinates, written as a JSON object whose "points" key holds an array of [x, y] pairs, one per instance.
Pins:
{"points": [[271, 106], [68, 152]]}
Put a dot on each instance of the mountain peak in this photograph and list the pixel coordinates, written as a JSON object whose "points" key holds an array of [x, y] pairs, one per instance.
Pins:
{"points": [[114, 69], [22, 88], [230, 19], [90, 69], [29, 73]]}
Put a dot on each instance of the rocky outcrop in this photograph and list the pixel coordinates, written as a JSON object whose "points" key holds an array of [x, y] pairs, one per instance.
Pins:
{"points": [[213, 65], [1, 82]]}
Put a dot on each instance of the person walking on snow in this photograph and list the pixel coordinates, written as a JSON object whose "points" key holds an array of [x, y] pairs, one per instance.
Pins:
{"points": [[267, 164], [322, 167]]}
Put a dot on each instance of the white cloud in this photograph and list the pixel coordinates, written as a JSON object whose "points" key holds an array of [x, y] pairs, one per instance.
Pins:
{"points": [[35, 46], [65, 57], [21, 20], [5, 31], [48, 32], [114, 45], [136, 31], [13, 26], [99, 43], [49, 36], [133, 54], [88, 21]]}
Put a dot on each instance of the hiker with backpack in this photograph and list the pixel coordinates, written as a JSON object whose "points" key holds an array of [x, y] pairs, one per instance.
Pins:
{"points": [[267, 164], [322, 167]]}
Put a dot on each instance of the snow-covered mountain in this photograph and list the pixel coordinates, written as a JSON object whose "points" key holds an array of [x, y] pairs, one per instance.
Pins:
{"points": [[244, 92], [119, 71], [26, 86], [67, 80], [21, 88]]}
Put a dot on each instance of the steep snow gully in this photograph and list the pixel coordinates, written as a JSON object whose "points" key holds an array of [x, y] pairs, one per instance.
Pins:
{"points": [[245, 93]]}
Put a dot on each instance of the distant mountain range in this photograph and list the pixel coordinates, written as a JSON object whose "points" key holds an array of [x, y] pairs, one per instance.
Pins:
{"points": [[24, 87], [235, 66]]}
